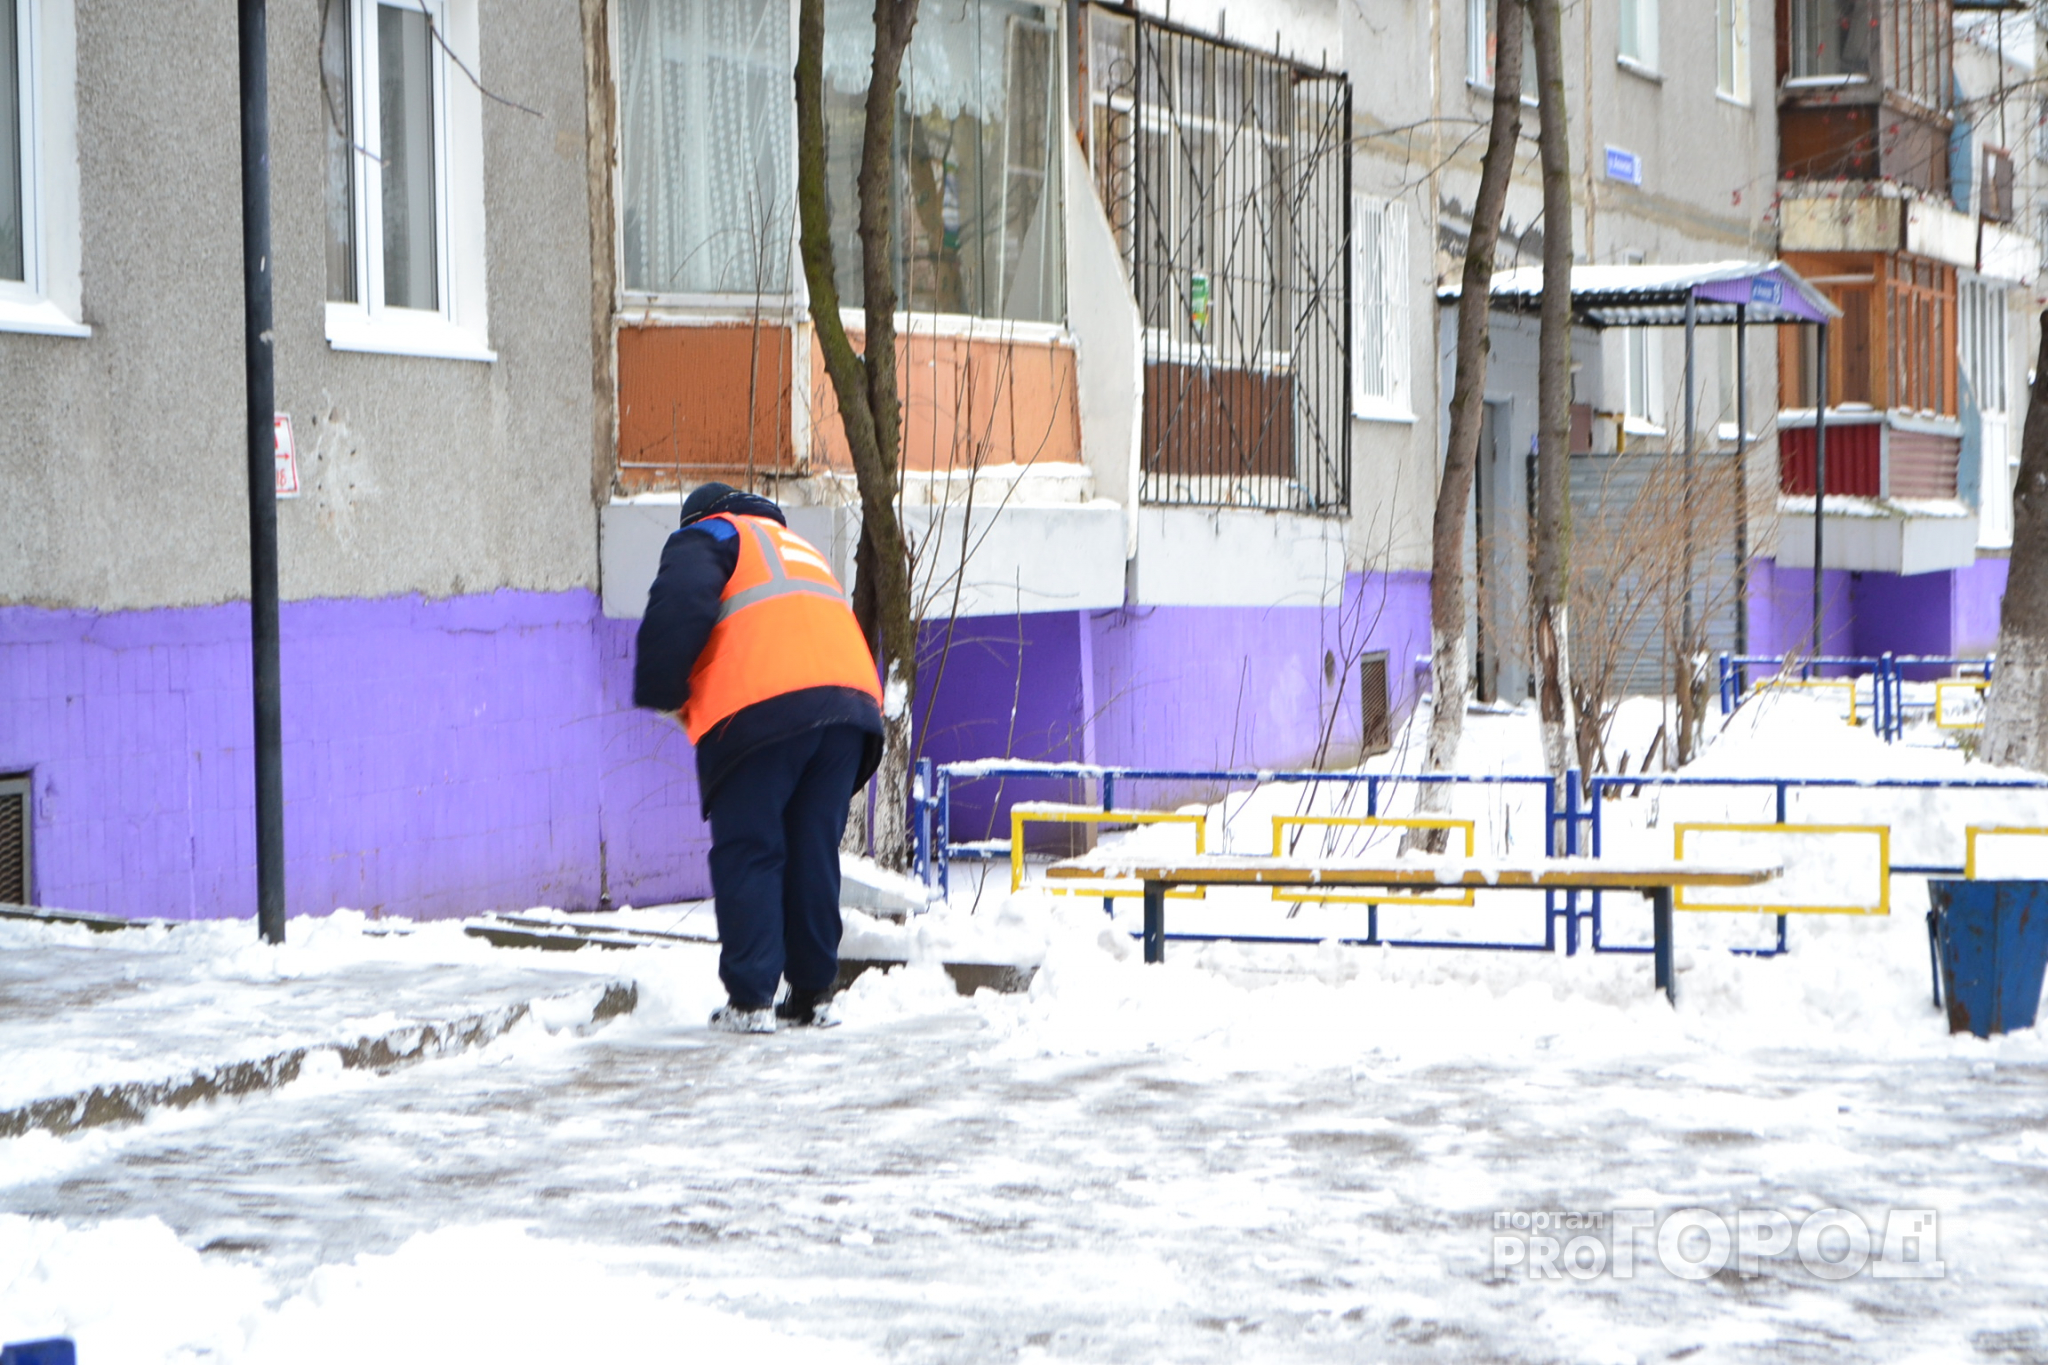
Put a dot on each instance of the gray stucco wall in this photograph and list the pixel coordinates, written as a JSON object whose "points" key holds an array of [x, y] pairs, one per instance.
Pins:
{"points": [[121, 456]]}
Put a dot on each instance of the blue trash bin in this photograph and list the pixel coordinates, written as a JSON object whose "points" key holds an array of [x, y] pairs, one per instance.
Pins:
{"points": [[54, 1351], [1993, 937]]}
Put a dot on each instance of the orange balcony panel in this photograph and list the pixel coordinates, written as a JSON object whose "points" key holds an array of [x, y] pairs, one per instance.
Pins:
{"points": [[968, 403], [684, 414]]}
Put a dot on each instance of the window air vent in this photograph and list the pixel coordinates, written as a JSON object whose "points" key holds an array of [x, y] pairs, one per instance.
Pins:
{"points": [[14, 837], [1378, 728]]}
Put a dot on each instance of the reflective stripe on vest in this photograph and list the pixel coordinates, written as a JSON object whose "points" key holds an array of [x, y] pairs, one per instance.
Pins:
{"points": [[779, 582], [783, 626]]}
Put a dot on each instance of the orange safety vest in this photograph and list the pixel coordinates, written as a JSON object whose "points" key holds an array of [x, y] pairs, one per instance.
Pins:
{"points": [[783, 626]]}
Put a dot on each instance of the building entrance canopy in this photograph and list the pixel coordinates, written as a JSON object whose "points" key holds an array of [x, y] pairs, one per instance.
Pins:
{"points": [[1722, 292]]}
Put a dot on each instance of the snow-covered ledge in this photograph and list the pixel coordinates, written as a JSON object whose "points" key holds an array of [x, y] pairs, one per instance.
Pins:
{"points": [[1879, 535], [1020, 556]]}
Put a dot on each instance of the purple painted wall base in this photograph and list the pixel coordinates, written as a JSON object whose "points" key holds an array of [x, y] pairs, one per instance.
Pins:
{"points": [[1162, 687], [452, 757], [441, 758], [1951, 612]]}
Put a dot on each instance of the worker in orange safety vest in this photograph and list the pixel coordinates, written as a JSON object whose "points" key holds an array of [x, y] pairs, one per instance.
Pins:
{"points": [[749, 641]]}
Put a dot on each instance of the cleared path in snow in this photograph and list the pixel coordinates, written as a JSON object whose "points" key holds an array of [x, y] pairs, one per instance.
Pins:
{"points": [[925, 1189]]}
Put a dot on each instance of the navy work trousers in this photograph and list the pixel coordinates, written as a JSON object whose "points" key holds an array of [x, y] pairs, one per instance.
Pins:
{"points": [[775, 828]]}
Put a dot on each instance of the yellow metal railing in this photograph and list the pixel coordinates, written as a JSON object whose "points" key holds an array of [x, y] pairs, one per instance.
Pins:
{"points": [[1941, 690], [1882, 833], [1285, 894], [1972, 833], [1848, 685], [1038, 813]]}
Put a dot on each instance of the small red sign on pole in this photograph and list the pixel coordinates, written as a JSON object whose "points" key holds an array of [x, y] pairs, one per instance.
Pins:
{"points": [[287, 459]]}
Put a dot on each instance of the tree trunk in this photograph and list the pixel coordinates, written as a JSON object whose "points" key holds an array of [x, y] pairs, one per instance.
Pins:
{"points": [[1550, 593], [1449, 662], [2016, 714], [865, 383]]}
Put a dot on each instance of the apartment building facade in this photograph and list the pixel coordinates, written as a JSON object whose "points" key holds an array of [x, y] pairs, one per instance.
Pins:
{"points": [[1910, 184]]}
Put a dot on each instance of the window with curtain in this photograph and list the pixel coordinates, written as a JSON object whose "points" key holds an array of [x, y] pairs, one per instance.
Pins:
{"points": [[13, 253], [1731, 39], [1639, 32], [1380, 288], [1833, 38], [1481, 33], [977, 168], [707, 143]]}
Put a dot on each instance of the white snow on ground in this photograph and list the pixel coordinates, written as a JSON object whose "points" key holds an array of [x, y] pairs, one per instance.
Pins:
{"points": [[1252, 1152]]}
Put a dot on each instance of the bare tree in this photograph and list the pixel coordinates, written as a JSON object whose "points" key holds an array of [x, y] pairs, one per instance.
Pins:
{"points": [[1551, 590], [2016, 713], [864, 381], [1450, 664]]}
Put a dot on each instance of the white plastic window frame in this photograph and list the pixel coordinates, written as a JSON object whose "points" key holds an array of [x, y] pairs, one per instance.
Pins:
{"points": [[459, 328], [1645, 60], [1479, 32], [789, 305], [1732, 37], [1382, 282], [48, 300]]}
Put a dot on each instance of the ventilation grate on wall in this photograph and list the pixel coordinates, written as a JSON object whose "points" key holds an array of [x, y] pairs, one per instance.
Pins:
{"points": [[14, 840], [1378, 728]]}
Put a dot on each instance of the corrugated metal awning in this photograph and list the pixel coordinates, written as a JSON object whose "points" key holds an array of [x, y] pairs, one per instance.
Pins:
{"points": [[1655, 295]]}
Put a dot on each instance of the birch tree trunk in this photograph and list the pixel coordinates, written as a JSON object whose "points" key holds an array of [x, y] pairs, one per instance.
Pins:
{"points": [[1450, 663], [864, 382], [1550, 593], [2016, 713]]}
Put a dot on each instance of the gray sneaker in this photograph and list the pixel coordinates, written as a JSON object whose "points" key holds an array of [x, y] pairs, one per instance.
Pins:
{"points": [[738, 1019]]}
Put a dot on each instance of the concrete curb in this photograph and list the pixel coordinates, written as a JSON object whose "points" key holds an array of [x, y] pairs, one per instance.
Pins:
{"points": [[130, 1101]]}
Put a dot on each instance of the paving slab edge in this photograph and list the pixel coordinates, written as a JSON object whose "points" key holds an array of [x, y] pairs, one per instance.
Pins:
{"points": [[129, 1102]]}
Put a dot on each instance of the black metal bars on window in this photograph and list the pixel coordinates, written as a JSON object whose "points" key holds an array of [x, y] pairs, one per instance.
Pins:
{"points": [[1226, 175]]}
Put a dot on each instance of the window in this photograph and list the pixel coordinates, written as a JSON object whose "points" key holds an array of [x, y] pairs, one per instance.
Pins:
{"points": [[1638, 45], [12, 89], [980, 153], [1481, 27], [1643, 405], [1996, 194], [1380, 286], [404, 182], [707, 141], [39, 275], [1833, 41], [1731, 35], [1224, 170], [1982, 325]]}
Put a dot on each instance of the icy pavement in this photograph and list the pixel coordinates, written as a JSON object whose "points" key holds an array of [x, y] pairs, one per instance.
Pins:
{"points": [[99, 1026], [1244, 1154]]}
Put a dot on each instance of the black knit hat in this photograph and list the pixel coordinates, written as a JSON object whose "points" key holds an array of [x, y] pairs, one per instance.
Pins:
{"points": [[707, 496]]}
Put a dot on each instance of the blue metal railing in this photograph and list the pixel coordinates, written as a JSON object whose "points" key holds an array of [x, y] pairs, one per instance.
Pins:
{"points": [[1563, 824], [1886, 673], [933, 796]]}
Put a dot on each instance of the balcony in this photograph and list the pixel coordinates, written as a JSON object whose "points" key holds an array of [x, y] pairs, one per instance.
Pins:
{"points": [[1891, 492]]}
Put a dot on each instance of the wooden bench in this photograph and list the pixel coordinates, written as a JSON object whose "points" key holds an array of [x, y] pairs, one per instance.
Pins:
{"points": [[1655, 879]]}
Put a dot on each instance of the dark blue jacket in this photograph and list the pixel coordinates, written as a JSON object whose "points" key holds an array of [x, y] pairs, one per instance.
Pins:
{"points": [[682, 607]]}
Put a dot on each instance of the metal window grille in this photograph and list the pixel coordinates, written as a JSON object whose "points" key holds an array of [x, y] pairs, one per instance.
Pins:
{"points": [[15, 865], [1226, 175], [1378, 714]]}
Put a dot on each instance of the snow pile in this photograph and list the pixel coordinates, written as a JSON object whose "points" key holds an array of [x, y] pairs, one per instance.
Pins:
{"points": [[130, 1292]]}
